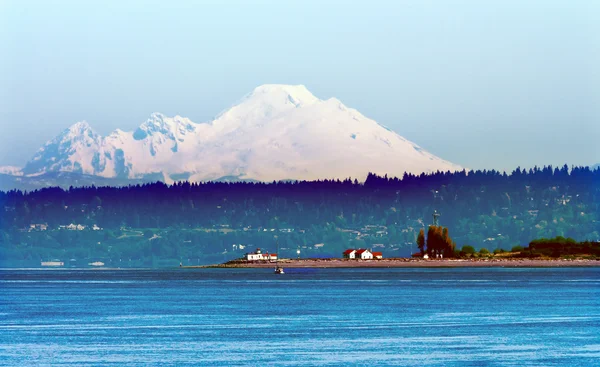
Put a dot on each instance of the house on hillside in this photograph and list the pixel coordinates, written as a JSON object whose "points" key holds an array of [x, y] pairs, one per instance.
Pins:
{"points": [[377, 255], [349, 254], [73, 227], [38, 227]]}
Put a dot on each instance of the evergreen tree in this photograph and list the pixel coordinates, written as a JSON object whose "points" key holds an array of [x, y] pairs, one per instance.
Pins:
{"points": [[421, 241]]}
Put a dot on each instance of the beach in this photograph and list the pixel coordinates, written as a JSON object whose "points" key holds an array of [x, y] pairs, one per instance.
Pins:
{"points": [[407, 263]]}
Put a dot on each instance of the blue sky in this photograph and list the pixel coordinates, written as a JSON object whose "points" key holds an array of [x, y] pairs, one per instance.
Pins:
{"points": [[485, 84]]}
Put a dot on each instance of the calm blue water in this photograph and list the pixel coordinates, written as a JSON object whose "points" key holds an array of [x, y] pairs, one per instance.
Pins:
{"points": [[307, 317]]}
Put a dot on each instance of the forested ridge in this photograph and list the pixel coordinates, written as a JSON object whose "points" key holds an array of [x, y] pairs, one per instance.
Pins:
{"points": [[157, 224]]}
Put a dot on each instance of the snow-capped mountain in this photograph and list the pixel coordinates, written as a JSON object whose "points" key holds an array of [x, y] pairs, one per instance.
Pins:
{"points": [[276, 132]]}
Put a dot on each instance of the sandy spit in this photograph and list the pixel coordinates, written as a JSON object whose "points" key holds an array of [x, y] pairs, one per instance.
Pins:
{"points": [[409, 263]]}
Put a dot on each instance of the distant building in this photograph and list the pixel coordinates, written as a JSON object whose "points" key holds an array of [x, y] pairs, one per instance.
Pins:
{"points": [[38, 227], [361, 253], [74, 227], [350, 254], [258, 255], [53, 263], [364, 254], [377, 255]]}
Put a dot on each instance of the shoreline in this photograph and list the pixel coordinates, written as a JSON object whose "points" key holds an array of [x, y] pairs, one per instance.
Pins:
{"points": [[409, 263]]}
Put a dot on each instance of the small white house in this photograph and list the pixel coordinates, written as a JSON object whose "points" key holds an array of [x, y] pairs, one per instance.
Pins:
{"points": [[350, 254], [253, 256], [269, 257], [364, 254]]}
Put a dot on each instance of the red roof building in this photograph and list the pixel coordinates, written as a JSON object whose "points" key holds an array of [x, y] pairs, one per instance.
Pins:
{"points": [[364, 254], [349, 253]]}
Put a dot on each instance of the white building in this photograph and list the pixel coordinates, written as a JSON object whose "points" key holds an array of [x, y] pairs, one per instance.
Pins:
{"points": [[253, 256], [53, 263], [258, 255], [364, 254], [38, 227], [74, 227], [350, 254]]}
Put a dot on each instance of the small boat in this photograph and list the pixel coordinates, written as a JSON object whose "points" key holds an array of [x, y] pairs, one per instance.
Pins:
{"points": [[278, 269]]}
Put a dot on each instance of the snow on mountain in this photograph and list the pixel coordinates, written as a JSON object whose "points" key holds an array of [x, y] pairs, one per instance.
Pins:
{"points": [[275, 132], [11, 170], [69, 151]]}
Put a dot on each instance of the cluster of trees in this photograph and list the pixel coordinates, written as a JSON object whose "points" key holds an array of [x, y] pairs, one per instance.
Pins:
{"points": [[560, 246], [438, 242], [488, 209]]}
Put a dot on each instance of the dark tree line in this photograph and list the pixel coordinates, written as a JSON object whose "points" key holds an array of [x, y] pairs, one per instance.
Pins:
{"points": [[302, 204]]}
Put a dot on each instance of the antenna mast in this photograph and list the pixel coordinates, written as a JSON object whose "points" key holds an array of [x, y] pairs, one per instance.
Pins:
{"points": [[436, 215]]}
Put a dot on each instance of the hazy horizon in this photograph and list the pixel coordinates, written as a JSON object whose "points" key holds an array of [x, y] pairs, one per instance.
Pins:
{"points": [[484, 85]]}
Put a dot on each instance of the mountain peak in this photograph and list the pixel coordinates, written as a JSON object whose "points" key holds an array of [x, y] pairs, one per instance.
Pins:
{"points": [[80, 126], [158, 123], [295, 94], [288, 88], [81, 130], [157, 116], [268, 100]]}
